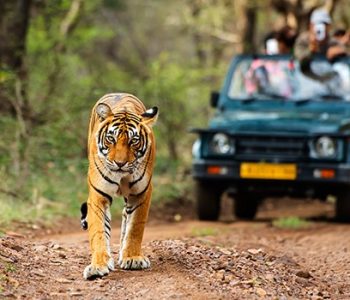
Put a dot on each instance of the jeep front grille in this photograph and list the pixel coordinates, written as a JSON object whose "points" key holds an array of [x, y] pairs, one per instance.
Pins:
{"points": [[271, 148]]}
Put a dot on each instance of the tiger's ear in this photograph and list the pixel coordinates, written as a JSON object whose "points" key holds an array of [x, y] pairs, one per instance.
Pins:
{"points": [[103, 111], [150, 116]]}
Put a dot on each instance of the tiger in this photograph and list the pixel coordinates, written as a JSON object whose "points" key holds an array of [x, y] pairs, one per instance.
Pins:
{"points": [[121, 153]]}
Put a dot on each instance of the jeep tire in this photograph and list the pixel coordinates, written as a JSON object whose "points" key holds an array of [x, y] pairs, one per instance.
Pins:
{"points": [[245, 206], [208, 196], [342, 206]]}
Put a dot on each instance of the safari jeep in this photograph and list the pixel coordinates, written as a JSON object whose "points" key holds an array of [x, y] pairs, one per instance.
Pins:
{"points": [[276, 131]]}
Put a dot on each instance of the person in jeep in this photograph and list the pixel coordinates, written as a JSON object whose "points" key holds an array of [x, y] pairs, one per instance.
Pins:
{"points": [[276, 131], [317, 40]]}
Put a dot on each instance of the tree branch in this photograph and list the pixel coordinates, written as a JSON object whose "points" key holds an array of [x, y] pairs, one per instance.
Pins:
{"points": [[69, 22], [71, 18], [10, 193]]}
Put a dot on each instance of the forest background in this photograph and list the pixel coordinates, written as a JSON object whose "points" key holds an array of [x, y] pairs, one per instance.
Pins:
{"points": [[57, 57]]}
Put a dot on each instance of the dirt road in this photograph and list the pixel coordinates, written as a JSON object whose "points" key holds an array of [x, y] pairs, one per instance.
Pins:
{"points": [[190, 260]]}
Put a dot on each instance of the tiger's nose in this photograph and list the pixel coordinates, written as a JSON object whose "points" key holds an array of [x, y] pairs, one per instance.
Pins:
{"points": [[120, 163]]}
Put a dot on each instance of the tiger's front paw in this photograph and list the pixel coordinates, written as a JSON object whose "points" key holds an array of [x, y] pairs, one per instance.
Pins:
{"points": [[92, 272], [134, 263]]}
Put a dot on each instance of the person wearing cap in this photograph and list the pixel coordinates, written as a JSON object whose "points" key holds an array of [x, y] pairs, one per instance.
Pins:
{"points": [[317, 40]]}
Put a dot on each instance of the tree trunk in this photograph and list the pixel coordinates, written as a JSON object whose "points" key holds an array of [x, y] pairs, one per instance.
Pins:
{"points": [[172, 148], [198, 39], [248, 37], [14, 21]]}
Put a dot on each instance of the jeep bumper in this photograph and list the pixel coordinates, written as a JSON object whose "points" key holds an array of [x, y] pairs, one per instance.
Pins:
{"points": [[305, 172]]}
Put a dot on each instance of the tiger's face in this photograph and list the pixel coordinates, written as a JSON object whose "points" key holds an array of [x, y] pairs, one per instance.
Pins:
{"points": [[123, 138]]}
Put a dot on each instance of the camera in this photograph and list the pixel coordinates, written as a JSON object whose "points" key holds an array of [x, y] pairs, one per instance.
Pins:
{"points": [[320, 31], [271, 46]]}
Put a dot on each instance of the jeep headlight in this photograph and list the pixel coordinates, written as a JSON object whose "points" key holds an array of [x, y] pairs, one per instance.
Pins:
{"points": [[222, 144], [196, 149], [324, 147]]}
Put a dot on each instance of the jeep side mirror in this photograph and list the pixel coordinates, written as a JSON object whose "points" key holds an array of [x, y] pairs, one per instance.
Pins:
{"points": [[214, 98]]}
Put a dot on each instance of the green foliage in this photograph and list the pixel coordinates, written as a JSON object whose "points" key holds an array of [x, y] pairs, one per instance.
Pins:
{"points": [[169, 188], [205, 231], [115, 46], [2, 278], [55, 190], [10, 267], [291, 223], [168, 57], [5, 75], [179, 92]]}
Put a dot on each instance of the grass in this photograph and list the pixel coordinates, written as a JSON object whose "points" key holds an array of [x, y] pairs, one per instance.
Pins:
{"points": [[6, 268], [58, 190], [3, 278], [202, 232], [10, 267], [291, 223]]}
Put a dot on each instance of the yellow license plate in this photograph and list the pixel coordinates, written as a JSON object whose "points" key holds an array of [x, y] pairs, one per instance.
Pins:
{"points": [[268, 171]]}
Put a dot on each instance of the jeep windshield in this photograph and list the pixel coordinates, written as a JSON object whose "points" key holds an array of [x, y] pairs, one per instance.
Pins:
{"points": [[276, 77]]}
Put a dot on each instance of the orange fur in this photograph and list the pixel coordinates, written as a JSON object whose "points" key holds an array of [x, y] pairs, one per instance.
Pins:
{"points": [[121, 151]]}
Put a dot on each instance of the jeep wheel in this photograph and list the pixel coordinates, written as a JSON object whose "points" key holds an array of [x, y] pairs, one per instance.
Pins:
{"points": [[246, 206], [208, 196], [342, 206]]}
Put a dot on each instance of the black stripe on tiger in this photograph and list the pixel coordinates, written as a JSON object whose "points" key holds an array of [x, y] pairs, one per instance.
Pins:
{"points": [[130, 210], [104, 176], [126, 122], [143, 143], [144, 190], [131, 184], [126, 117], [102, 138], [108, 197], [108, 230], [133, 126], [102, 213], [107, 221], [108, 225], [91, 208], [102, 132]]}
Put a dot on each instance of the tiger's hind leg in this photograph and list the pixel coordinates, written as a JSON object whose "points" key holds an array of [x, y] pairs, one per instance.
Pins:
{"points": [[135, 215], [99, 220]]}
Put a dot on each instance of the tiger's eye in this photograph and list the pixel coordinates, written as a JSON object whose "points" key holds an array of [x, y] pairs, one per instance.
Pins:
{"points": [[110, 138], [135, 140]]}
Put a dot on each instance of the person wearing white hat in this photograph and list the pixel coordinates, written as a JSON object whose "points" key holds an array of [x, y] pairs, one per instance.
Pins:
{"points": [[319, 16], [317, 40]]}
